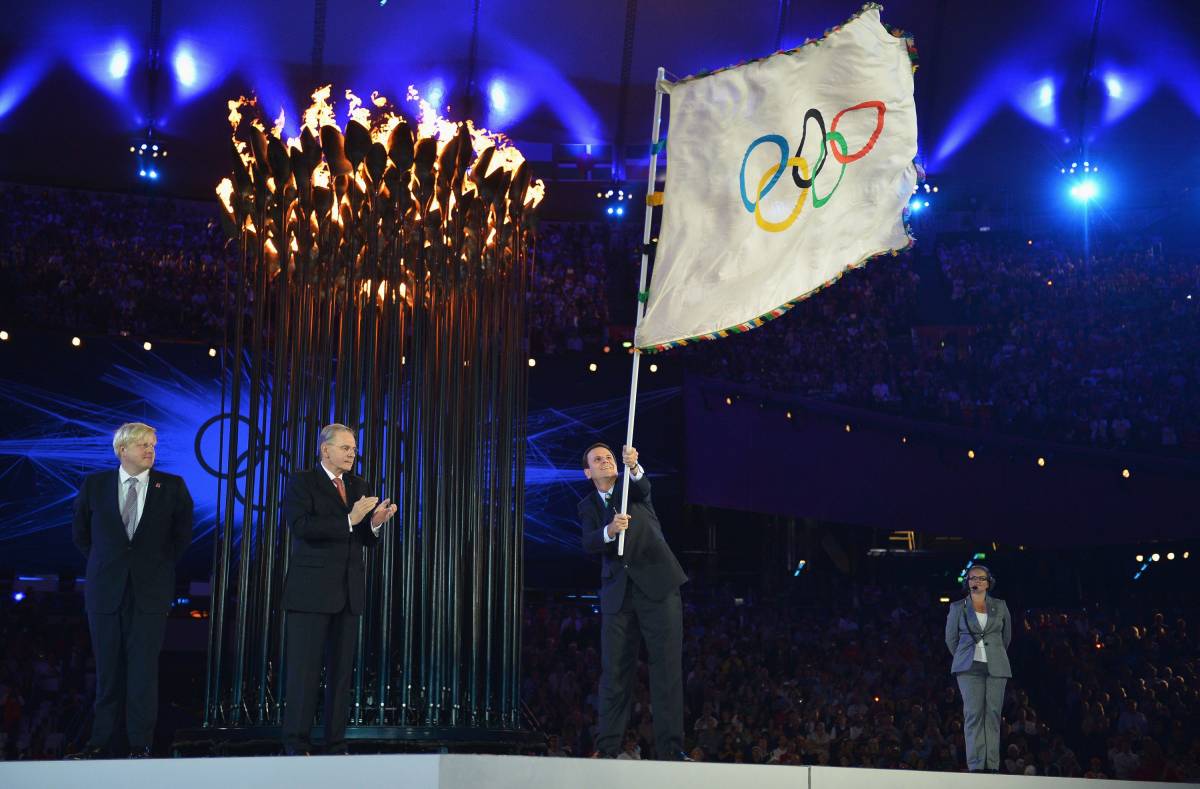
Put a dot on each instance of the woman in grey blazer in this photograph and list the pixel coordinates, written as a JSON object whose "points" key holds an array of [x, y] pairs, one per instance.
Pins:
{"points": [[978, 630]]}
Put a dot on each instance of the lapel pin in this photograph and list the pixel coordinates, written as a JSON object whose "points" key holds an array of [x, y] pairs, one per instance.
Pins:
{"points": [[158, 484]]}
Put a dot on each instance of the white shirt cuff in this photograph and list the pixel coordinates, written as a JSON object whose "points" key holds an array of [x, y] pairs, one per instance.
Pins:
{"points": [[604, 531], [636, 476]]}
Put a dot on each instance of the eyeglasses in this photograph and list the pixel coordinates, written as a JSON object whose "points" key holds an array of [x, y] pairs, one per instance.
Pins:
{"points": [[977, 577]]}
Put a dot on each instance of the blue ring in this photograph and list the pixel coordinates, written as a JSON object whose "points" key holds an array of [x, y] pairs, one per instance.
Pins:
{"points": [[783, 157]]}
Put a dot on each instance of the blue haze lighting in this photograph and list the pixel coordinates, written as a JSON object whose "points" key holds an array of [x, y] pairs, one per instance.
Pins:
{"points": [[1038, 102], [18, 596], [15, 83], [70, 435], [198, 67], [508, 100], [915, 205], [1123, 92], [106, 65]]}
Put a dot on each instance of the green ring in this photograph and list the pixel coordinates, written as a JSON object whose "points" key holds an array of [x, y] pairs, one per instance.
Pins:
{"points": [[832, 136]]}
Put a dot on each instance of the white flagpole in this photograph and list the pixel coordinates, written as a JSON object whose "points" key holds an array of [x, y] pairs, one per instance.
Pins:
{"points": [[641, 306]]}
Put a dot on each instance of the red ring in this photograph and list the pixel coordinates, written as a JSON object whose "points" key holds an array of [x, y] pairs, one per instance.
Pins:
{"points": [[861, 152]]}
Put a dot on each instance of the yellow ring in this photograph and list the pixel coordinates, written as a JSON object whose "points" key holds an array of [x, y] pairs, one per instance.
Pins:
{"points": [[779, 227]]}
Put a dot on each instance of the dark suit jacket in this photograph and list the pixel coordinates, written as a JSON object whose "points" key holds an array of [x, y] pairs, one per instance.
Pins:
{"points": [[648, 559], [325, 569], [148, 561], [962, 629]]}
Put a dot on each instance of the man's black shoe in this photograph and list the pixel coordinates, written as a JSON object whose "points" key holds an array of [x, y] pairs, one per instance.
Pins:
{"points": [[89, 752], [141, 753]]}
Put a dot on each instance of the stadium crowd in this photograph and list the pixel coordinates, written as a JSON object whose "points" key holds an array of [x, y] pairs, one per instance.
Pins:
{"points": [[867, 684], [863, 683], [1021, 337]]}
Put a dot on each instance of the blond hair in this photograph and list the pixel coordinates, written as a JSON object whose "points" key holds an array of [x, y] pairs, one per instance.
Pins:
{"points": [[129, 433]]}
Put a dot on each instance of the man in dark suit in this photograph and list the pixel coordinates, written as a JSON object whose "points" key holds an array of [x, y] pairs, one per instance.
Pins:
{"points": [[133, 524], [639, 594], [332, 518]]}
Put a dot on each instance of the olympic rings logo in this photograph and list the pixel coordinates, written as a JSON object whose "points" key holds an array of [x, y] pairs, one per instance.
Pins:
{"points": [[806, 182]]}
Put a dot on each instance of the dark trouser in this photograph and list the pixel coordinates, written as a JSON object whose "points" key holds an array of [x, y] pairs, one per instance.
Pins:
{"points": [[309, 637], [983, 698], [126, 645], [660, 623]]}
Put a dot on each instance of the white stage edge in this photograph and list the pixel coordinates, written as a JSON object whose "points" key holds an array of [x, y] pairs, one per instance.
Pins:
{"points": [[454, 771]]}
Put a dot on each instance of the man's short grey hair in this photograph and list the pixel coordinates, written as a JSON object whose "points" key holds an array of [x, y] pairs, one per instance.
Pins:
{"points": [[329, 432], [130, 433]]}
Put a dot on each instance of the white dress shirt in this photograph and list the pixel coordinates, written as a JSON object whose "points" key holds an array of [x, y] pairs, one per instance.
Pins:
{"points": [[636, 476], [332, 476], [980, 652], [143, 485]]}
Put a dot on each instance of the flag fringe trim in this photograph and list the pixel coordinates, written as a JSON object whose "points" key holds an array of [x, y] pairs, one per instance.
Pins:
{"points": [[771, 315]]}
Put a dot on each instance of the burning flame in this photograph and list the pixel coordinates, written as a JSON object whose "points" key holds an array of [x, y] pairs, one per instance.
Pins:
{"points": [[320, 113], [225, 194], [320, 176], [535, 193], [357, 111], [346, 214], [235, 107]]}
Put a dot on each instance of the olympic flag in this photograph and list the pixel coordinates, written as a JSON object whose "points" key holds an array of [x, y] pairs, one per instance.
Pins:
{"points": [[781, 174]]}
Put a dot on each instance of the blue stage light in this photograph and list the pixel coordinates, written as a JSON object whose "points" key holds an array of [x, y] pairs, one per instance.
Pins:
{"points": [[610, 210], [915, 205], [435, 91], [1115, 89], [620, 212], [141, 173], [185, 67], [498, 96], [118, 63], [153, 174], [1085, 190], [18, 596], [1046, 94]]}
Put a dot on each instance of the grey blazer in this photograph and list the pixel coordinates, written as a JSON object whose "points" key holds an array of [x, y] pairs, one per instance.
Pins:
{"points": [[962, 631]]}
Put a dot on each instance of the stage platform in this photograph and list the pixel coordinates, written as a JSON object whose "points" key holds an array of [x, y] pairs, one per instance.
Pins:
{"points": [[433, 771]]}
